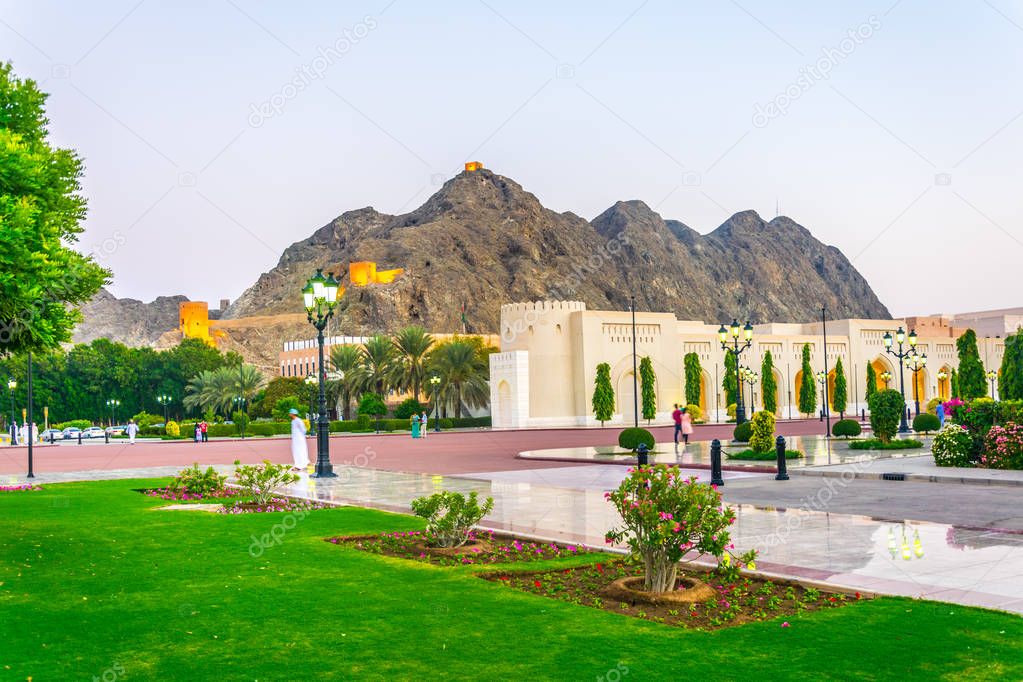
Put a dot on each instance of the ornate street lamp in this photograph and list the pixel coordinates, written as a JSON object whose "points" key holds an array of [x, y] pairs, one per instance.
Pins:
{"points": [[736, 350], [164, 400], [11, 385], [942, 375], [886, 376], [991, 376], [822, 379], [900, 337], [113, 403], [751, 377], [434, 384], [916, 363], [320, 298]]}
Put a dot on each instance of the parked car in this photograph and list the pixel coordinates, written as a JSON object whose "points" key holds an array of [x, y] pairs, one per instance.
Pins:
{"points": [[72, 432], [93, 432], [52, 434], [116, 430]]}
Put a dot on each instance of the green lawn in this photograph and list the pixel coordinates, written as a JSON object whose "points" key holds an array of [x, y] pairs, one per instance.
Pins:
{"points": [[93, 581]]}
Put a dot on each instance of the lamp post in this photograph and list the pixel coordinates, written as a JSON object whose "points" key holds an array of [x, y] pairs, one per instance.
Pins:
{"points": [[320, 296], [751, 377], [916, 363], [942, 375], [113, 403], [737, 350], [886, 376], [635, 373], [991, 376], [822, 379], [434, 383], [900, 336], [239, 406], [311, 380], [164, 400], [11, 385]]}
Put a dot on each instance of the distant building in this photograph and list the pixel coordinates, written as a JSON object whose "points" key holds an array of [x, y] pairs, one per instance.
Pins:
{"points": [[364, 273], [473, 166], [194, 320]]}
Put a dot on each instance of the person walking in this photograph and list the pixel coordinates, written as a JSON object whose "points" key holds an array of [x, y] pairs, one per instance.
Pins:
{"points": [[35, 432], [14, 433], [940, 411], [415, 425], [676, 416], [131, 429], [686, 420], [204, 430], [198, 432], [299, 447], [422, 423], [23, 434]]}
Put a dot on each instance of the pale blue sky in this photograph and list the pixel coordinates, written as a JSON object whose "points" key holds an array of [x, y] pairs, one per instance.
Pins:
{"points": [[914, 135]]}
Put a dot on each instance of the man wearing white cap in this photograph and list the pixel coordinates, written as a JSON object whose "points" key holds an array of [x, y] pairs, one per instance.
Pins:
{"points": [[299, 448]]}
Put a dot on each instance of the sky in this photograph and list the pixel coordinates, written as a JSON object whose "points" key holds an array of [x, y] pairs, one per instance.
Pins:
{"points": [[217, 133]]}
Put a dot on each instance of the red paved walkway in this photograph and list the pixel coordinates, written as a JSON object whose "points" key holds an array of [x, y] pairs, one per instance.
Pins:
{"points": [[439, 453]]}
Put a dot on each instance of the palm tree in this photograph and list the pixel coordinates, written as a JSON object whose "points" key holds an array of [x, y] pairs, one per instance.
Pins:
{"points": [[346, 360], [411, 346], [464, 372], [378, 361], [216, 389]]}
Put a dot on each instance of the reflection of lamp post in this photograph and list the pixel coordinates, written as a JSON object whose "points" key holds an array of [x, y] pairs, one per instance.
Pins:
{"points": [[900, 336], [112, 403], [916, 363], [164, 400], [434, 383], [942, 375], [736, 350], [320, 298], [991, 376]]}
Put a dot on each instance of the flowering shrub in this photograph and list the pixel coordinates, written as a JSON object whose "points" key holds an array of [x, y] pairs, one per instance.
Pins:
{"points": [[184, 495], [272, 504], [19, 488], [450, 516], [198, 482], [952, 447], [172, 429], [666, 516], [1003, 447], [260, 480]]}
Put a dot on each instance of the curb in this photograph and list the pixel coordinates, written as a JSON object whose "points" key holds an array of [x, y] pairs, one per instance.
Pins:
{"points": [[908, 477]]}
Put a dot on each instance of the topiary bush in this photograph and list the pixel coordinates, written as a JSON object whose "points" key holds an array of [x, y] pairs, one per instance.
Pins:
{"points": [[885, 413], [926, 422], [952, 447], [742, 432], [407, 408], [632, 437], [846, 428], [172, 429], [694, 412], [761, 431]]}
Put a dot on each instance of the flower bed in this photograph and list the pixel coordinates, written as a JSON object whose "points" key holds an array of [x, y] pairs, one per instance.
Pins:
{"points": [[484, 547], [274, 504], [185, 495], [721, 602], [19, 488]]}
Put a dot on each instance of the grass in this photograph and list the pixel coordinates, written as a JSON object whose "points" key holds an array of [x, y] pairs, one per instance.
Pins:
{"points": [[770, 455], [878, 444], [92, 580]]}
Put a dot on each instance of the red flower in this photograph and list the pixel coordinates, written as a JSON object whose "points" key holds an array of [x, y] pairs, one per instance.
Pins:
{"points": [[600, 567], [536, 583], [857, 595]]}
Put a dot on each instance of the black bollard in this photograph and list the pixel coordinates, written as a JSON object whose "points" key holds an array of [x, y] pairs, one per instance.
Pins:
{"points": [[642, 456], [79, 437], [779, 446], [863, 415], [715, 463], [106, 437]]}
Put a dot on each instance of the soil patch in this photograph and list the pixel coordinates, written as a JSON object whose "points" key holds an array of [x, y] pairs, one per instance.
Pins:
{"points": [[727, 601]]}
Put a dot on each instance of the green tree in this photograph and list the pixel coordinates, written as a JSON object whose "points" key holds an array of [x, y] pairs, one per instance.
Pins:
{"points": [[886, 409], [954, 384], [276, 389], [372, 405], [871, 381], [728, 382], [379, 360], [648, 396], [807, 387], [347, 363], [463, 367], [972, 381], [841, 394], [411, 345], [42, 279], [283, 406], [1010, 375], [694, 378], [603, 394], [768, 384]]}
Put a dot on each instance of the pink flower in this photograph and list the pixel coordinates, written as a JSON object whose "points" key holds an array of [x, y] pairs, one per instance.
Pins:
{"points": [[785, 624]]}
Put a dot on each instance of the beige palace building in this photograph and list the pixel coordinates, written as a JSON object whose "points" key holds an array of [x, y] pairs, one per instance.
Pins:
{"points": [[549, 351]]}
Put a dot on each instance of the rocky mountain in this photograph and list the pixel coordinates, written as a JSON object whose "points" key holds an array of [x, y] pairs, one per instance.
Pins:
{"points": [[482, 240], [127, 320]]}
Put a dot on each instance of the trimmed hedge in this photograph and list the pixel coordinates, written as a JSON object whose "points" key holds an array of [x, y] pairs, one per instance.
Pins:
{"points": [[770, 456], [743, 432], [846, 428], [925, 422], [878, 444], [632, 437]]}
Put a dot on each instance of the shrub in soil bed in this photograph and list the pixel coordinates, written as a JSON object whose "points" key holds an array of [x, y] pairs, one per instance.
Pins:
{"points": [[769, 456], [877, 444]]}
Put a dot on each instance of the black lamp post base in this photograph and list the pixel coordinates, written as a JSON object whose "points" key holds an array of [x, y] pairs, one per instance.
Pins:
{"points": [[324, 472]]}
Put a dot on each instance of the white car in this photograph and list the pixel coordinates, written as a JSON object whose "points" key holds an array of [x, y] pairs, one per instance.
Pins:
{"points": [[93, 432], [51, 434], [71, 432]]}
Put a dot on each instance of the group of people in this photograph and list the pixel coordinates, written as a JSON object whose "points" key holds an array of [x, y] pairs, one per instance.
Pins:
{"points": [[683, 424], [20, 434], [418, 422], [201, 432]]}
